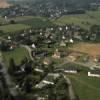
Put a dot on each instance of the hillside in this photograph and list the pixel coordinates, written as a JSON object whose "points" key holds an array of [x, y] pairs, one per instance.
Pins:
{"points": [[4, 4], [60, 3]]}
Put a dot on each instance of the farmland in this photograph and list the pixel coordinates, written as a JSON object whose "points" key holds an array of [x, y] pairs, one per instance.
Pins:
{"points": [[24, 22], [17, 54], [13, 28], [87, 88], [83, 20], [92, 49], [37, 22]]}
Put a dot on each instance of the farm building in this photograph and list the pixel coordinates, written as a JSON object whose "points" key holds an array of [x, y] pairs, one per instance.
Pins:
{"points": [[94, 73], [72, 70]]}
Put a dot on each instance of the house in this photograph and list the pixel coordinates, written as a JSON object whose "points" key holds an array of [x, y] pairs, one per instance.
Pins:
{"points": [[94, 73], [41, 98], [56, 54], [71, 41], [62, 44], [72, 70], [39, 69], [50, 78], [97, 59], [47, 61], [33, 46]]}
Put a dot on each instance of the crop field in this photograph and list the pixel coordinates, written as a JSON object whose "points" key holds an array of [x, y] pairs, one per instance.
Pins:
{"points": [[13, 28], [92, 49], [87, 88], [17, 54], [83, 20]]}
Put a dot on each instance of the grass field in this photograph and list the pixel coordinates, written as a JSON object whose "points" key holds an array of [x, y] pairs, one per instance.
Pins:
{"points": [[92, 49], [13, 28], [83, 20], [37, 22], [17, 54], [2, 20], [87, 88], [22, 18]]}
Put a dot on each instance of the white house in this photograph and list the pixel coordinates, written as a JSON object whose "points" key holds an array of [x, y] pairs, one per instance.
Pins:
{"points": [[33, 46], [60, 28], [94, 73], [39, 69], [71, 41], [63, 37], [48, 82], [66, 28], [71, 70]]}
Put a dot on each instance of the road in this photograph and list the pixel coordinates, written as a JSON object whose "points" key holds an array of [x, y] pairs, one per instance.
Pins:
{"points": [[70, 88], [29, 51]]}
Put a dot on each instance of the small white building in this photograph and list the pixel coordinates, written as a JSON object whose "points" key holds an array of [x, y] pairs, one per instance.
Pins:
{"points": [[39, 69], [63, 37], [48, 82], [71, 41], [51, 29], [60, 28], [33, 46], [9, 37], [66, 27], [71, 70], [94, 73], [63, 44]]}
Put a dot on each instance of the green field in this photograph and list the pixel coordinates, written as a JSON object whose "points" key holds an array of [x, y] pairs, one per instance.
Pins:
{"points": [[17, 54], [2, 20], [13, 28], [37, 22], [87, 88], [83, 20], [22, 18]]}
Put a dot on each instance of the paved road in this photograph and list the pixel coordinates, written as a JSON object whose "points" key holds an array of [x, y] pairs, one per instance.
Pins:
{"points": [[70, 88], [29, 51]]}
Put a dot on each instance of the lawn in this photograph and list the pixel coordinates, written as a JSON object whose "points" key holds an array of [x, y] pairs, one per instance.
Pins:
{"points": [[17, 54], [87, 88], [92, 49], [13, 28], [83, 20]]}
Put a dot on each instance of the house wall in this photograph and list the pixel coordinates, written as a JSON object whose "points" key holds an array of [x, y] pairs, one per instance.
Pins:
{"points": [[47, 82], [93, 75], [70, 71]]}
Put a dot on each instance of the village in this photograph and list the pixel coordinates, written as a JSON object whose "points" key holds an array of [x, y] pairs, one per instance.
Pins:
{"points": [[50, 58], [41, 60]]}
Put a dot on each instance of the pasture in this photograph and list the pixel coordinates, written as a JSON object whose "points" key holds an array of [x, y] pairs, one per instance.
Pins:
{"points": [[12, 28], [87, 88], [83, 20], [17, 54]]}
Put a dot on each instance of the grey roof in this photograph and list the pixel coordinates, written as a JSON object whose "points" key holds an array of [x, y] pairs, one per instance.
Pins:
{"points": [[96, 71]]}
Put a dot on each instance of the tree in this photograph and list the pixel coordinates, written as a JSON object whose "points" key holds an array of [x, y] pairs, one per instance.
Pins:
{"points": [[4, 46], [28, 84], [12, 66], [28, 67], [12, 22]]}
